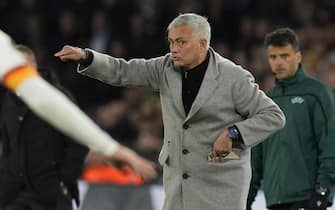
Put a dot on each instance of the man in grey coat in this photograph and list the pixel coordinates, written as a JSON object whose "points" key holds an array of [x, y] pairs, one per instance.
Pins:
{"points": [[210, 106]]}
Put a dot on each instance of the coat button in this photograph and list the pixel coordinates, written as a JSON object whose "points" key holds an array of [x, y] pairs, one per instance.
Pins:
{"points": [[185, 176], [185, 151], [185, 126], [20, 118]]}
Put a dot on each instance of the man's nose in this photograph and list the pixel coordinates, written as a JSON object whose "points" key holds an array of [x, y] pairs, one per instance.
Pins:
{"points": [[279, 62], [173, 48]]}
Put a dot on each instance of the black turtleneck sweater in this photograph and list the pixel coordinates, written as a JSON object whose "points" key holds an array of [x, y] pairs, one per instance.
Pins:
{"points": [[191, 82]]}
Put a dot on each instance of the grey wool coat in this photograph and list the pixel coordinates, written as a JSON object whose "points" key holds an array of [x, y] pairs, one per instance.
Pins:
{"points": [[227, 96]]}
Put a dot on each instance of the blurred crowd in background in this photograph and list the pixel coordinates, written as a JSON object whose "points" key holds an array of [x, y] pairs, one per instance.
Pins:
{"points": [[137, 28]]}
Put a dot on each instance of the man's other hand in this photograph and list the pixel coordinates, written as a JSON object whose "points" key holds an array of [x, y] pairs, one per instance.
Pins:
{"points": [[146, 169]]}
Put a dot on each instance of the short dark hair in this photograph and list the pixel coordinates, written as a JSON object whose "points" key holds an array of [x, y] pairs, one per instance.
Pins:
{"points": [[282, 37]]}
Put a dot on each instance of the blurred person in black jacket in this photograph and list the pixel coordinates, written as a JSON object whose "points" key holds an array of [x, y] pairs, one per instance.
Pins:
{"points": [[40, 166]]}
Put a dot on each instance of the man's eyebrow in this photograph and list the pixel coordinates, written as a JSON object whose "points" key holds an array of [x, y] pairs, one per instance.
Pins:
{"points": [[278, 54], [176, 39]]}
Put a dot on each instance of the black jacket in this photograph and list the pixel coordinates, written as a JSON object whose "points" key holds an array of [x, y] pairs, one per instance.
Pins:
{"points": [[35, 155]]}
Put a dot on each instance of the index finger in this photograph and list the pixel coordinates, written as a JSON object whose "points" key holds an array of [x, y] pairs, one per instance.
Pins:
{"points": [[64, 51]]}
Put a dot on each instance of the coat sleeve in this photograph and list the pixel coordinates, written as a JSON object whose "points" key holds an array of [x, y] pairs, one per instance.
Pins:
{"points": [[119, 72], [262, 116], [324, 128]]}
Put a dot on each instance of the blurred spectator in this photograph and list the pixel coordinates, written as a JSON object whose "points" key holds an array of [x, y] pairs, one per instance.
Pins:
{"points": [[223, 49], [150, 11], [40, 166], [113, 118], [258, 63], [185, 6], [261, 27], [118, 48], [240, 57], [327, 70], [312, 57], [101, 31], [268, 82], [149, 145], [302, 11], [245, 35]]}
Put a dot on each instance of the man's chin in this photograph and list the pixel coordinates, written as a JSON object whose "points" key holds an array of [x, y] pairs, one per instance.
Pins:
{"points": [[280, 77], [177, 64]]}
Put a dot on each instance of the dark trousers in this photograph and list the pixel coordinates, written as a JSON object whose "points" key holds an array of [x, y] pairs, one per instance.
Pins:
{"points": [[26, 201], [300, 205]]}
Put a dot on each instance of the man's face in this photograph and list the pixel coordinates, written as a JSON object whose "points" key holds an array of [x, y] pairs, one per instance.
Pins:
{"points": [[187, 50], [284, 61]]}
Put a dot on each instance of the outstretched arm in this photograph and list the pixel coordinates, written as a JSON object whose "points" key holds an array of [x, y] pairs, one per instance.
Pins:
{"points": [[54, 107]]}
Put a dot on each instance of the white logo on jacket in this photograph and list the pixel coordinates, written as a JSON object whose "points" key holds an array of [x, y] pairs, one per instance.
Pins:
{"points": [[297, 100]]}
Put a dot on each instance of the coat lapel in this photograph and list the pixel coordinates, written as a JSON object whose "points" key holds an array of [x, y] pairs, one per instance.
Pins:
{"points": [[207, 87], [175, 83]]}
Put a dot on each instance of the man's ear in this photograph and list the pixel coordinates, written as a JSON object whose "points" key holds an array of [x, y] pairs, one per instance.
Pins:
{"points": [[203, 43], [299, 56]]}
